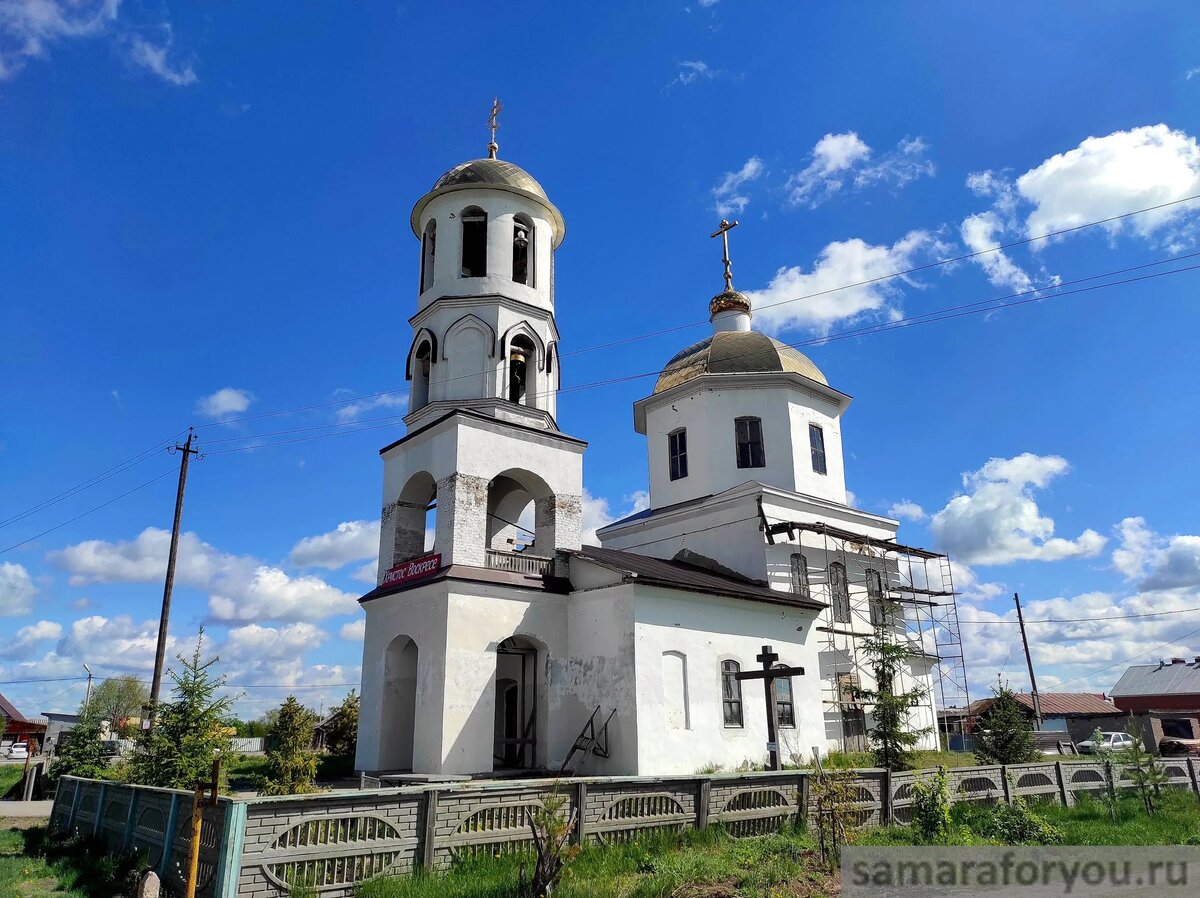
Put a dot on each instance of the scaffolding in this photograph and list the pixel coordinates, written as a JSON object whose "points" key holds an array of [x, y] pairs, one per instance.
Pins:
{"points": [[918, 582]]}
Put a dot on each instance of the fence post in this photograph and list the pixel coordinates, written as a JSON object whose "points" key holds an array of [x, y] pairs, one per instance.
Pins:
{"points": [[581, 795], [133, 803], [1063, 792], [1191, 765], [887, 814], [99, 809], [1005, 785], [428, 842], [805, 798], [169, 837], [74, 806], [703, 790]]}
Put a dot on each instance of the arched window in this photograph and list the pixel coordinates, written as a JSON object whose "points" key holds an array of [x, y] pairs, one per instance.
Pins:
{"points": [[816, 445], [677, 453], [875, 598], [731, 693], [520, 366], [474, 242], [785, 706], [749, 443], [839, 592], [800, 575], [678, 714], [522, 257], [420, 388], [428, 253]]}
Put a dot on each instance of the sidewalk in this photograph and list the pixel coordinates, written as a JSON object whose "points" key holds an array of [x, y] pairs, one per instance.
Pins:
{"points": [[25, 809]]}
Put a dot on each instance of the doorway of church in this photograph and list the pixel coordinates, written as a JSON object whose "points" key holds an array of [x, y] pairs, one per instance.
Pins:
{"points": [[516, 704]]}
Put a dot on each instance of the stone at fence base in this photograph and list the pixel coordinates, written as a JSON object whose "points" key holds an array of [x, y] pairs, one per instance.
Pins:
{"points": [[148, 885]]}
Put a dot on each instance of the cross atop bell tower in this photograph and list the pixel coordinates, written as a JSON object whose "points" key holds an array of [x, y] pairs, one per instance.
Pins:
{"points": [[728, 310], [722, 231], [493, 125]]}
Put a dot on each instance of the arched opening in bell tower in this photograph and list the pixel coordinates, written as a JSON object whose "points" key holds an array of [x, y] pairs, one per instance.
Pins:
{"points": [[422, 361], [521, 365], [428, 254], [474, 242], [416, 518], [523, 248]]}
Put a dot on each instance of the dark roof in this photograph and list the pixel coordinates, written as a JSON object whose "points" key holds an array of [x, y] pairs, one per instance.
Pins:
{"points": [[690, 577], [1057, 704], [9, 711], [1159, 679]]}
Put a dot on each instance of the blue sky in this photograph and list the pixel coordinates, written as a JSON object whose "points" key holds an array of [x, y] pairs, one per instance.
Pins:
{"points": [[204, 216]]}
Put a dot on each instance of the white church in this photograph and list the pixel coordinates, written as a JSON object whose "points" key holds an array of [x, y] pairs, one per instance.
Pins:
{"points": [[501, 651]]}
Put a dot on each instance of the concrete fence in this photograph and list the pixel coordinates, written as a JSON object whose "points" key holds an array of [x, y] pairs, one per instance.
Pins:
{"points": [[253, 848]]}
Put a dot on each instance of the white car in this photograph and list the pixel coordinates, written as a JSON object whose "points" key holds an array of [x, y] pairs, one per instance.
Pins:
{"points": [[19, 752], [1108, 742]]}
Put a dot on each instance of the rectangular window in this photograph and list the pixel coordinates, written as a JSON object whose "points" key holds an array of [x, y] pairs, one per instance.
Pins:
{"points": [[677, 451], [785, 708], [875, 598], [750, 443], [800, 575], [840, 590], [816, 442], [731, 693]]}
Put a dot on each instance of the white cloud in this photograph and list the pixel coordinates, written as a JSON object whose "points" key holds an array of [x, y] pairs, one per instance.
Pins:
{"points": [[350, 541], [1156, 562], [272, 594], [597, 514], [1120, 172], [997, 521], [355, 410], [28, 638], [906, 509], [730, 196], [226, 401], [16, 590], [691, 70], [155, 58], [355, 631], [777, 307], [1191, 73], [29, 27], [117, 643], [368, 573], [838, 160], [256, 642], [979, 234]]}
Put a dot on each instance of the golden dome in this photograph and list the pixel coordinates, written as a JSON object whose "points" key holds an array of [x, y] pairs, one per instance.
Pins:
{"points": [[736, 352]]}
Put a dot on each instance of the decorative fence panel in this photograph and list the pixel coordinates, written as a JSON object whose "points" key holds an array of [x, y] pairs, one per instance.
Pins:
{"points": [[260, 847]]}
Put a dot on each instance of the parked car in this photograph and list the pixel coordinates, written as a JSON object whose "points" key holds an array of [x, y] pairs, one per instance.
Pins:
{"points": [[1179, 746], [1108, 742], [18, 752]]}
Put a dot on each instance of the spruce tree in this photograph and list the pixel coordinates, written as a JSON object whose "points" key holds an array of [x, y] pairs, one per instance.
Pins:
{"points": [[189, 731], [342, 730], [892, 737], [1005, 736], [291, 763]]}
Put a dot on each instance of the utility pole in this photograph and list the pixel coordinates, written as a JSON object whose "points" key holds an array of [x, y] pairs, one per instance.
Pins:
{"points": [[161, 650], [1037, 702], [87, 701]]}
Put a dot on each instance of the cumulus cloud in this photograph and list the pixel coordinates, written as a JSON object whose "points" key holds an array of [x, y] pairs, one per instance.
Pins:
{"points": [[28, 638], [997, 519], [979, 234], [906, 509], [841, 160], [355, 631], [272, 594], [777, 307], [1156, 562], [730, 196], [226, 401], [349, 541], [254, 641], [118, 643], [156, 58], [16, 590], [597, 513], [355, 410], [28, 28]]}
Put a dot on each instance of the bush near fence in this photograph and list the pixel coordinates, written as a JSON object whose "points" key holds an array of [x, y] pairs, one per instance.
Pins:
{"points": [[255, 847]]}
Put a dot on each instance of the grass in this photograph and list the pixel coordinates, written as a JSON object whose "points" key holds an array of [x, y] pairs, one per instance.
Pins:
{"points": [[33, 865], [706, 864], [10, 775], [844, 760]]}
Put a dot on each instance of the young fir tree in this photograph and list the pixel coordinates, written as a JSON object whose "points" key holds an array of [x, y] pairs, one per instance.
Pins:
{"points": [[83, 754], [190, 729], [1148, 777], [291, 763], [1005, 736], [892, 736], [342, 730]]}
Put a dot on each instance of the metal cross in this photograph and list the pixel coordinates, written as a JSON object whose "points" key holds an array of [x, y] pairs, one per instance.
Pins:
{"points": [[493, 124], [722, 231]]}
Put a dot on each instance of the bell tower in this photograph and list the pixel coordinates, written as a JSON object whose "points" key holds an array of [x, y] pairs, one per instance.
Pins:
{"points": [[483, 443]]}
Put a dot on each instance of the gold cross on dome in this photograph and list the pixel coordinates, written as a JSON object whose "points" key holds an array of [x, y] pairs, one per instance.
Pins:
{"points": [[722, 231], [493, 124]]}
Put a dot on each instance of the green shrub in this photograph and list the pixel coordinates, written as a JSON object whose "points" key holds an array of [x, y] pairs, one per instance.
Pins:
{"points": [[1014, 824], [931, 808]]}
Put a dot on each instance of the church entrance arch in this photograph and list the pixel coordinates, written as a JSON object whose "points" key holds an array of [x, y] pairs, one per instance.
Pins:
{"points": [[398, 722], [520, 704]]}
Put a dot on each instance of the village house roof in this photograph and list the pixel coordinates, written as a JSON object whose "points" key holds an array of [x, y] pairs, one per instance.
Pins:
{"points": [[691, 577], [9, 711], [736, 352], [1056, 704], [1177, 677]]}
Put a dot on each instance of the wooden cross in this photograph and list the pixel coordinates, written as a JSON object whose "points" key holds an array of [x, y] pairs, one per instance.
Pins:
{"points": [[769, 674], [493, 124], [722, 231]]}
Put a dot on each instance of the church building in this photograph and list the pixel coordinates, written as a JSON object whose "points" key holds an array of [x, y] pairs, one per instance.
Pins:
{"points": [[491, 648]]}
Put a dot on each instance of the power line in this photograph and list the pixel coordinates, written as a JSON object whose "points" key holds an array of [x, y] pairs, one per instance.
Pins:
{"points": [[1130, 658], [1082, 620], [863, 283]]}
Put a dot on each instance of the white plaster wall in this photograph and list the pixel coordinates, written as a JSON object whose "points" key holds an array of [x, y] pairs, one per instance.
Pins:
{"points": [[709, 630], [709, 413], [500, 206]]}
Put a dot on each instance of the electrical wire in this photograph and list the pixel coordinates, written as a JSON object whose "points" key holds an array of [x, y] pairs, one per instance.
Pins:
{"points": [[1130, 658], [1081, 620]]}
